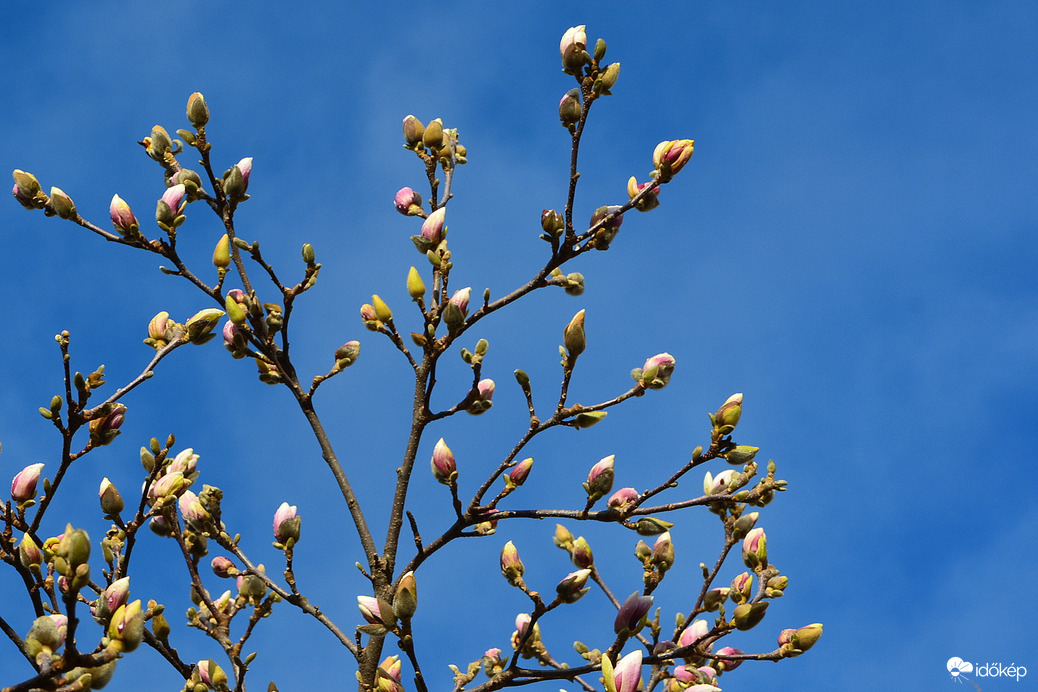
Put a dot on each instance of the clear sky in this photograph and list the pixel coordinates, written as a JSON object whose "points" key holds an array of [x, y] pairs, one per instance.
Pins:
{"points": [[852, 247]]}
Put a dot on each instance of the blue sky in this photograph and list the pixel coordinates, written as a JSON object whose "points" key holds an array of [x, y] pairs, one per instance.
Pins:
{"points": [[852, 246]]}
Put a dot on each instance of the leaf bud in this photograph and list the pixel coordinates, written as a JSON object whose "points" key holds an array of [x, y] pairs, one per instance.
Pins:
{"points": [[650, 526], [308, 253]]}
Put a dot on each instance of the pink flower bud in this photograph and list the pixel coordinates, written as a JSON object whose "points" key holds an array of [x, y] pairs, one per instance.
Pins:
{"points": [[511, 566], [122, 217], [127, 626], [657, 371], [519, 473], [23, 485], [600, 478], [580, 553], [432, 228], [173, 483], [23, 199], [192, 511], [370, 610], [723, 665], [672, 155], [461, 299], [159, 325], [444, 468], [174, 198], [29, 553], [186, 462], [286, 523], [755, 548], [631, 613], [628, 671], [622, 499], [695, 631], [223, 567], [742, 587], [486, 389], [116, 594], [245, 166], [800, 639], [405, 199]]}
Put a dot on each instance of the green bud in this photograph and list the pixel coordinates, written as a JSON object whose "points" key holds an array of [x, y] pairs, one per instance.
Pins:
{"points": [[748, 615], [415, 285], [308, 253], [586, 420], [382, 311], [741, 454], [414, 130], [197, 110], [63, 205], [222, 253], [433, 135], [600, 49]]}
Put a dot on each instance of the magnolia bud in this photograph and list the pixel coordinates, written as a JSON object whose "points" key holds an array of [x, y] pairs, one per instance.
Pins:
{"points": [[197, 110], [413, 131]]}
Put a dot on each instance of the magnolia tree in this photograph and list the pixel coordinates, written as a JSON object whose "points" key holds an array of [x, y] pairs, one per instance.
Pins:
{"points": [[88, 615]]}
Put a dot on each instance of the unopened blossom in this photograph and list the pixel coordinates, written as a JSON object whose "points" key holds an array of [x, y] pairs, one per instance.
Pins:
{"points": [[627, 673], [718, 485], [673, 155], [723, 665], [116, 595], [444, 468], [755, 548], [572, 587], [432, 228], [730, 411], [23, 485], [174, 198], [192, 511], [286, 523], [406, 200], [631, 612], [511, 565], [111, 500], [519, 473], [223, 567], [622, 499], [572, 47], [657, 371], [186, 461], [694, 631], [122, 217], [800, 639], [127, 626], [600, 478]]}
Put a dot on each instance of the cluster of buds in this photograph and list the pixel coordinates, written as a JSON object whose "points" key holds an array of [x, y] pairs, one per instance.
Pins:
{"points": [[574, 54], [69, 554], [578, 548], [198, 329], [27, 191], [656, 560], [375, 314], [287, 524], [572, 283], [434, 140], [172, 481], [692, 678]]}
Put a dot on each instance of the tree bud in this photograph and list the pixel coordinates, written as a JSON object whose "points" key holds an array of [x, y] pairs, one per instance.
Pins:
{"points": [[573, 336], [570, 108], [414, 130], [122, 217], [63, 205], [730, 412], [631, 612], [287, 524], [573, 49], [405, 600], [600, 478], [127, 626], [511, 566], [197, 110], [572, 587], [748, 615], [222, 253], [433, 135], [111, 500], [23, 485], [444, 468]]}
